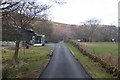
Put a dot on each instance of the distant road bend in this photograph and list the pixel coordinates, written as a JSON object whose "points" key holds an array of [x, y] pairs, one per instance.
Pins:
{"points": [[64, 65]]}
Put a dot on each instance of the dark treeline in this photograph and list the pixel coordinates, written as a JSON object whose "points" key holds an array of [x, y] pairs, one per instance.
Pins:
{"points": [[90, 31], [56, 33], [95, 33]]}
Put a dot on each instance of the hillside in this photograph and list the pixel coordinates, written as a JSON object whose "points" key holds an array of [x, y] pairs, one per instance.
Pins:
{"points": [[98, 32], [61, 30]]}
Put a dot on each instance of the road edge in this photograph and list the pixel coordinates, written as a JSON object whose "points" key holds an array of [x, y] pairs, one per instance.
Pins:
{"points": [[79, 62], [46, 64]]}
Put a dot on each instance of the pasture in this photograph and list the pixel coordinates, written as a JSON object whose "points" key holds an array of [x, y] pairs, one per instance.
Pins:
{"points": [[107, 51]]}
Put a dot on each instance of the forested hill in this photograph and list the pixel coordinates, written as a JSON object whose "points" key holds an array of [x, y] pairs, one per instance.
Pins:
{"points": [[85, 32], [56, 31]]}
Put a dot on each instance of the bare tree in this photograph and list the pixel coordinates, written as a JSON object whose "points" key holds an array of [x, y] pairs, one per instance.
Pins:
{"points": [[91, 25], [20, 16], [109, 32], [98, 33]]}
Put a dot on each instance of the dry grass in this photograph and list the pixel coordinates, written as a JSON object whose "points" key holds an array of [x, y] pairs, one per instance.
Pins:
{"points": [[31, 64], [110, 59]]}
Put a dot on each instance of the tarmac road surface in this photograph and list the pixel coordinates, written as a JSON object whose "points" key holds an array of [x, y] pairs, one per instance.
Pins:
{"points": [[64, 65]]}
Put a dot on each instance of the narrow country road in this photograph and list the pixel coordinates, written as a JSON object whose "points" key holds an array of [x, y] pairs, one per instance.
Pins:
{"points": [[63, 65]]}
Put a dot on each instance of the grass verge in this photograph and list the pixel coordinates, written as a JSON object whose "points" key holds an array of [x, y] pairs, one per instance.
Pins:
{"points": [[31, 64], [93, 68]]}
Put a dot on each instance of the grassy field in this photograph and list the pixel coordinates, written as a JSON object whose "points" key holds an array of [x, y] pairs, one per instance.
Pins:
{"points": [[93, 68], [105, 50], [31, 63]]}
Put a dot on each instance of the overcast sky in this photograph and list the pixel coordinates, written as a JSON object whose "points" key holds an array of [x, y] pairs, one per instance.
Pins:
{"points": [[77, 11]]}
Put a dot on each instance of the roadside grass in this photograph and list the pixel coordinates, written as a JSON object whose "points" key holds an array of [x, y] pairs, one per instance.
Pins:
{"points": [[31, 63], [93, 68], [105, 50]]}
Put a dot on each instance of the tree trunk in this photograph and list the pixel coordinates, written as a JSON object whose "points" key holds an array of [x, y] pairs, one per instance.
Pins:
{"points": [[15, 56]]}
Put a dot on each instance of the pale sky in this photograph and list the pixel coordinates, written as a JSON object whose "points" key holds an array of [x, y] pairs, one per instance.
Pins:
{"points": [[77, 11]]}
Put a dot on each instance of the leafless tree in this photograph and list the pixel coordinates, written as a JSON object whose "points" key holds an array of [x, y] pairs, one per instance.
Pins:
{"points": [[91, 30], [20, 15], [91, 26]]}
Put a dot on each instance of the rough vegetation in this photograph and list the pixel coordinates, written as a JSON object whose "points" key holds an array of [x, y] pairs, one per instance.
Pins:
{"points": [[31, 63], [108, 67]]}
